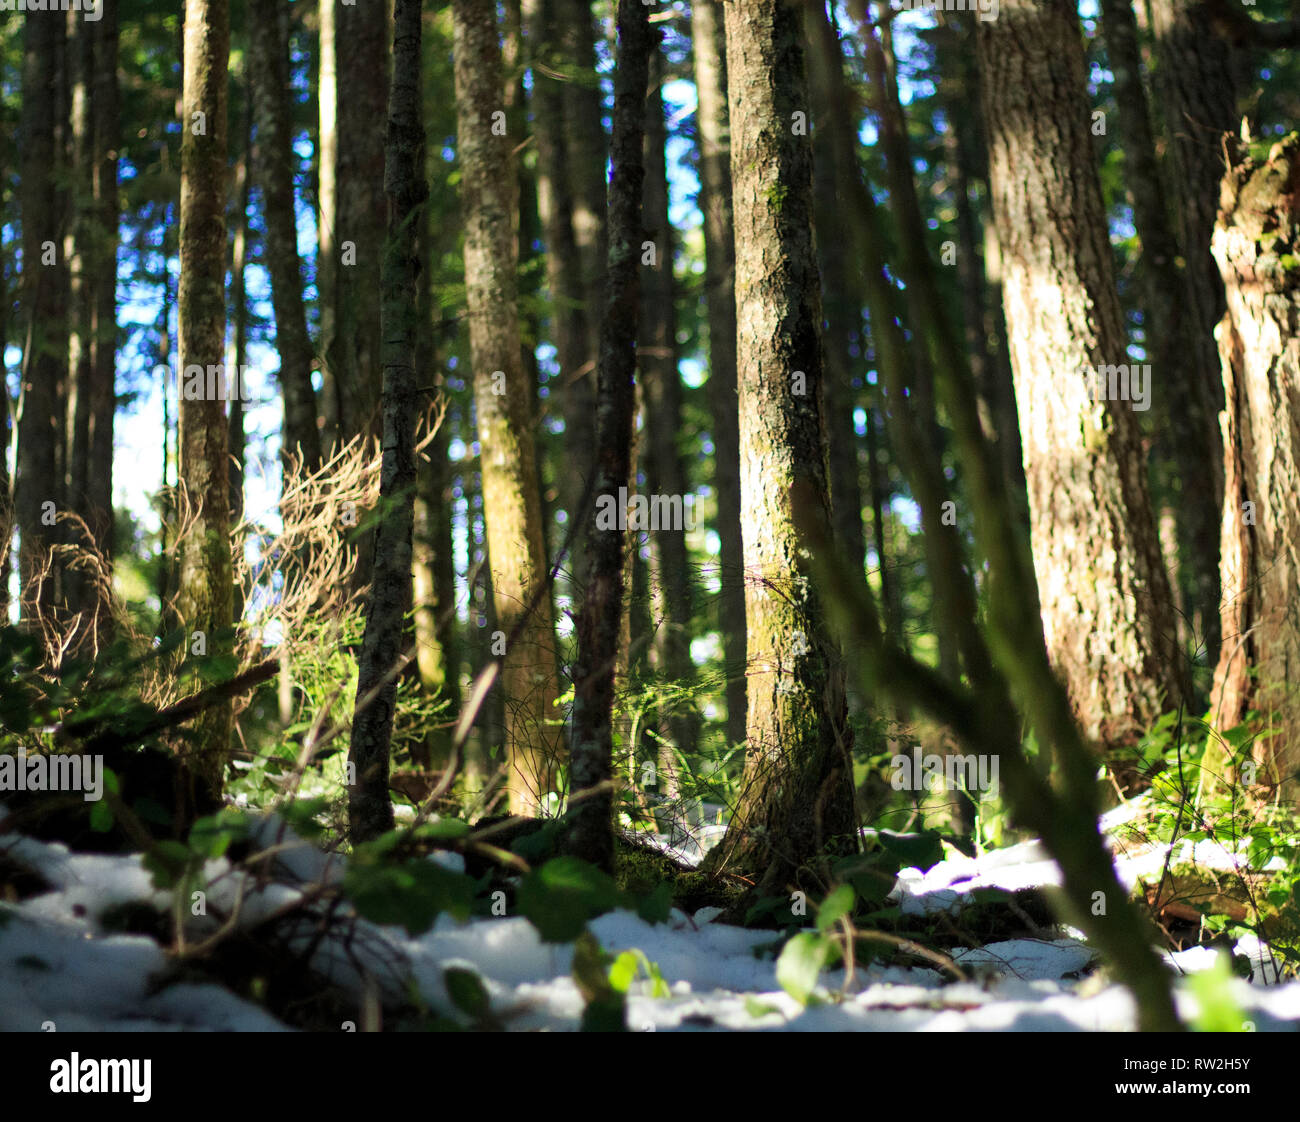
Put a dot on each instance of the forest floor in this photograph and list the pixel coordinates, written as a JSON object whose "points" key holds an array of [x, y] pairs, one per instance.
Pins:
{"points": [[82, 947]]}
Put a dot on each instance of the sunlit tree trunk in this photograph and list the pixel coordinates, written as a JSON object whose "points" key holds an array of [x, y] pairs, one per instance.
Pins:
{"points": [[1106, 604], [503, 402], [1259, 340]]}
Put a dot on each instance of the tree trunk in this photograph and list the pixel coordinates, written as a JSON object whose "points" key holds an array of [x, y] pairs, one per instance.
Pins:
{"points": [[204, 598], [713, 131], [601, 616], [1259, 340], [327, 213], [665, 473], [585, 159], [45, 350], [268, 65], [503, 401], [1106, 605], [569, 330], [103, 394], [1187, 433], [797, 791], [362, 102], [369, 807]]}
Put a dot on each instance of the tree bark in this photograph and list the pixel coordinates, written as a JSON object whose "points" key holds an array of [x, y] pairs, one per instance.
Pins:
{"points": [[204, 598], [1259, 340], [355, 352], [1187, 437], [1106, 605], [45, 350], [369, 807], [600, 619], [503, 401], [665, 473], [796, 793], [268, 64], [713, 132]]}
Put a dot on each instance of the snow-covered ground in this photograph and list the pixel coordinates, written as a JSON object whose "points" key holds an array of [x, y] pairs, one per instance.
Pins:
{"points": [[59, 964]]}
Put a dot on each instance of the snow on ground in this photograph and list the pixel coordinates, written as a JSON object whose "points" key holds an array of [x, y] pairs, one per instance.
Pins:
{"points": [[59, 962]]}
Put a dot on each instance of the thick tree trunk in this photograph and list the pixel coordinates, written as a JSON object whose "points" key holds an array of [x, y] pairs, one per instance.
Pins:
{"points": [[503, 402], [369, 808], [1187, 435], [713, 132], [797, 791], [1106, 605], [268, 65], [602, 614], [664, 471], [45, 349], [1259, 340], [204, 598]]}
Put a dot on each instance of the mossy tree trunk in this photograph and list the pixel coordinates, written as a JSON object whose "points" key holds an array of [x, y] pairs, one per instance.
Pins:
{"points": [[512, 501], [796, 801], [205, 597]]}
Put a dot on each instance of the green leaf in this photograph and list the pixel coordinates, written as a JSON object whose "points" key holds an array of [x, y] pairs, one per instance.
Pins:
{"points": [[168, 861], [757, 1009], [561, 896], [410, 893], [835, 907], [101, 817], [657, 906], [467, 992], [445, 829], [800, 963], [623, 971], [920, 851]]}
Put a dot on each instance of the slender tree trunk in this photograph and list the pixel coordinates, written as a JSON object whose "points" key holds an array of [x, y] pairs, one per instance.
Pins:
{"points": [[204, 598], [713, 132], [1106, 605], [369, 807], [361, 31], [599, 623], [327, 213], [269, 64], [45, 351], [503, 402], [665, 473], [1259, 339], [103, 393], [1188, 439], [78, 589], [237, 357], [585, 153], [797, 790], [568, 328]]}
